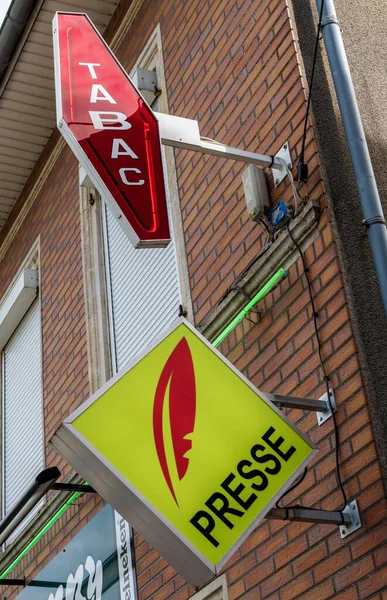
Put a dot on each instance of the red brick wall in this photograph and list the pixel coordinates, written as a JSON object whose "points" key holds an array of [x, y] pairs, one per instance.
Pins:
{"points": [[233, 66], [55, 218]]}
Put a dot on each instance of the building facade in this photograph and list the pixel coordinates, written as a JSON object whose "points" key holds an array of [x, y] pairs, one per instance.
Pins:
{"points": [[77, 302]]}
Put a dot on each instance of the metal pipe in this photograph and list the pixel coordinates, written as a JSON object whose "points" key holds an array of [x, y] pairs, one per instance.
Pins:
{"points": [[43, 482], [301, 403], [310, 515], [357, 145], [180, 132], [83, 488], [12, 28]]}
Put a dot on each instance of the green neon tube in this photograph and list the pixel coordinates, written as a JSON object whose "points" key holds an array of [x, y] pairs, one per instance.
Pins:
{"points": [[47, 526], [261, 294]]}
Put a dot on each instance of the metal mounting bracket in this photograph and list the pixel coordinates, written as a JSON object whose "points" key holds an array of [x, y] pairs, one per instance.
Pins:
{"points": [[355, 522], [321, 406], [348, 519], [325, 414], [184, 133], [281, 401], [310, 515], [33, 583], [84, 488], [279, 173]]}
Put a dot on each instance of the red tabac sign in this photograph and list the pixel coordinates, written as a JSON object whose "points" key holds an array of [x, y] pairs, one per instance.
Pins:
{"points": [[111, 129]]}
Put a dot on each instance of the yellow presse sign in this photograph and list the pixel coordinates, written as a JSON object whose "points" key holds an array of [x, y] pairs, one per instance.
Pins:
{"points": [[197, 441]]}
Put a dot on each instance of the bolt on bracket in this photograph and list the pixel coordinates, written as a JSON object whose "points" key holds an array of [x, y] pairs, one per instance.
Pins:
{"points": [[327, 412], [355, 522], [279, 173]]}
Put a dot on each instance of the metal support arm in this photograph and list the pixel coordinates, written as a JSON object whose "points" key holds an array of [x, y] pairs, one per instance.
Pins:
{"points": [[309, 515], [74, 487], [184, 133], [323, 407], [302, 403], [348, 519], [43, 482], [46, 480]]}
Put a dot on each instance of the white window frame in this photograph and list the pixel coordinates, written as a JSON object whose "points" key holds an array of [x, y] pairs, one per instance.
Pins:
{"points": [[15, 304], [151, 58]]}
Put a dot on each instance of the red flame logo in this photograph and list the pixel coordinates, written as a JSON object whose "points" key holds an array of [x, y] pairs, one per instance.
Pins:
{"points": [[179, 377]]}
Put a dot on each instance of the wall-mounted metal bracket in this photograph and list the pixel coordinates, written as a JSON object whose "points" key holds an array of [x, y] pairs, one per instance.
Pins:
{"points": [[321, 405], [21, 582], [184, 133], [310, 515], [325, 414], [351, 511], [348, 519], [33, 583], [279, 173], [84, 488]]}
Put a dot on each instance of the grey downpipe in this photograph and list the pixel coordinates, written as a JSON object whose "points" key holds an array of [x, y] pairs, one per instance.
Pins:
{"points": [[12, 28], [357, 145]]}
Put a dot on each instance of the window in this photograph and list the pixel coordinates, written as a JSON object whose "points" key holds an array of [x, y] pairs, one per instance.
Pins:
{"points": [[21, 390], [144, 286]]}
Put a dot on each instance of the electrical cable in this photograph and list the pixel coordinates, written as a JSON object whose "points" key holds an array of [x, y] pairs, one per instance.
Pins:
{"points": [[322, 365], [263, 223], [292, 487], [302, 167], [272, 235], [294, 189]]}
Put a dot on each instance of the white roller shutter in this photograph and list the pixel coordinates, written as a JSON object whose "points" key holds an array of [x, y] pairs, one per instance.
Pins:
{"points": [[144, 291], [23, 433]]}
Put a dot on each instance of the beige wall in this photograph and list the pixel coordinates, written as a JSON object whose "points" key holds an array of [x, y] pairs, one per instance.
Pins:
{"points": [[364, 26]]}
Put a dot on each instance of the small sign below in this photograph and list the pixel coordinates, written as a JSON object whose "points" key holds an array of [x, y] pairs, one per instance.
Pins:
{"points": [[186, 448]]}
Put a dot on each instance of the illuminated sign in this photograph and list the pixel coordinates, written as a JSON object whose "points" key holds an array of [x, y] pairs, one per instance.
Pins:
{"points": [[95, 565], [111, 129], [186, 449]]}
